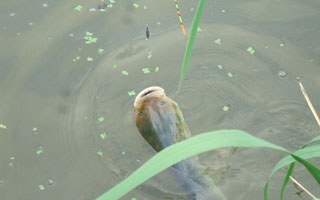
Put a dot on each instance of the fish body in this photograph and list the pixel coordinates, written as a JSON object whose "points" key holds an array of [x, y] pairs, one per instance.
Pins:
{"points": [[161, 124]]}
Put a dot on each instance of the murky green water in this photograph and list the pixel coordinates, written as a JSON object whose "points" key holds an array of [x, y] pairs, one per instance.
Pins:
{"points": [[59, 94]]}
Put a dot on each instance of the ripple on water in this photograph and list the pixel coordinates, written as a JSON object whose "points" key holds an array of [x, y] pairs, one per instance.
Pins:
{"points": [[104, 94], [257, 98]]}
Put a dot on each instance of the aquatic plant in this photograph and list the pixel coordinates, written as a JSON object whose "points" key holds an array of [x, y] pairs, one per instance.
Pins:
{"points": [[190, 42]]}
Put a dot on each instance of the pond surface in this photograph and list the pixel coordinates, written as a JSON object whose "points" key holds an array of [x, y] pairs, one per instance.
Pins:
{"points": [[69, 74]]}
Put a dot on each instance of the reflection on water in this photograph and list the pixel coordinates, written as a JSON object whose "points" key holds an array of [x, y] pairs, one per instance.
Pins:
{"points": [[68, 106]]}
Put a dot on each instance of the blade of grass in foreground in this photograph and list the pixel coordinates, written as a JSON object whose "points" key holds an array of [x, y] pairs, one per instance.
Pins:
{"points": [[286, 179], [199, 144], [182, 150], [308, 152], [313, 140], [292, 165], [315, 171], [190, 42]]}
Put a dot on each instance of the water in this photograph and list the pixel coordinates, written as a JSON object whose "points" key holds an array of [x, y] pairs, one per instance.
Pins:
{"points": [[51, 105]]}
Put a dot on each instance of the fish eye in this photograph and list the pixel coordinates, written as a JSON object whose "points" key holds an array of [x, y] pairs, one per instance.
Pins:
{"points": [[162, 103], [141, 113]]}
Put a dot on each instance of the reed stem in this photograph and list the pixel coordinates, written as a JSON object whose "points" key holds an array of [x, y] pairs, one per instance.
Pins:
{"points": [[303, 188], [314, 112]]}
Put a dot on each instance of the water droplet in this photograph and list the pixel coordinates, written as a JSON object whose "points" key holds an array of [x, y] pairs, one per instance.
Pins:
{"points": [[44, 5], [12, 14], [30, 23], [298, 78], [50, 181], [282, 73]]}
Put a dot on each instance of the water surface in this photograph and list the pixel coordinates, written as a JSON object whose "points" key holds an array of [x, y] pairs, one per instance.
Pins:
{"points": [[56, 103]]}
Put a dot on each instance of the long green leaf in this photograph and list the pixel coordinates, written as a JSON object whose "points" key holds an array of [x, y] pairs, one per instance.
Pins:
{"points": [[202, 143], [286, 179], [190, 42], [292, 165], [306, 153], [182, 150], [313, 140], [314, 171]]}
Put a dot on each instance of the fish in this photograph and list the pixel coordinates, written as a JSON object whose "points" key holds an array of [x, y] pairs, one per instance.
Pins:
{"points": [[160, 122]]}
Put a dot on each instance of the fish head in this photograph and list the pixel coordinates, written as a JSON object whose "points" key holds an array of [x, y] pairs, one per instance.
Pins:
{"points": [[148, 99], [159, 119], [151, 106]]}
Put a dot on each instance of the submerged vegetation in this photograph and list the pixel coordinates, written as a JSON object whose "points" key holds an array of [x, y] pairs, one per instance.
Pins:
{"points": [[218, 139]]}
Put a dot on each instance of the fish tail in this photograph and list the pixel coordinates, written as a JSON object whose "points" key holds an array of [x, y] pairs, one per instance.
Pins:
{"points": [[197, 185]]}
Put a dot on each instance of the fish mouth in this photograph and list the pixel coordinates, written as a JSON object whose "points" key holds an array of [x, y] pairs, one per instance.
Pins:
{"points": [[153, 91]]}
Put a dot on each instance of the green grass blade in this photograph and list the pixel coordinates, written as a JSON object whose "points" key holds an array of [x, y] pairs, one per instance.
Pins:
{"points": [[190, 42], [314, 171], [265, 191], [292, 165], [182, 150], [313, 140], [286, 180], [202, 143], [305, 153]]}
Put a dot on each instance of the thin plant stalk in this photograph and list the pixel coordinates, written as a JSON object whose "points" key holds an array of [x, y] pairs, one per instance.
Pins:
{"points": [[303, 188], [292, 165], [314, 112]]}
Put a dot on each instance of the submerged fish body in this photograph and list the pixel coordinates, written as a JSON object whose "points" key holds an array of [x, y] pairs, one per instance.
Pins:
{"points": [[160, 122]]}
